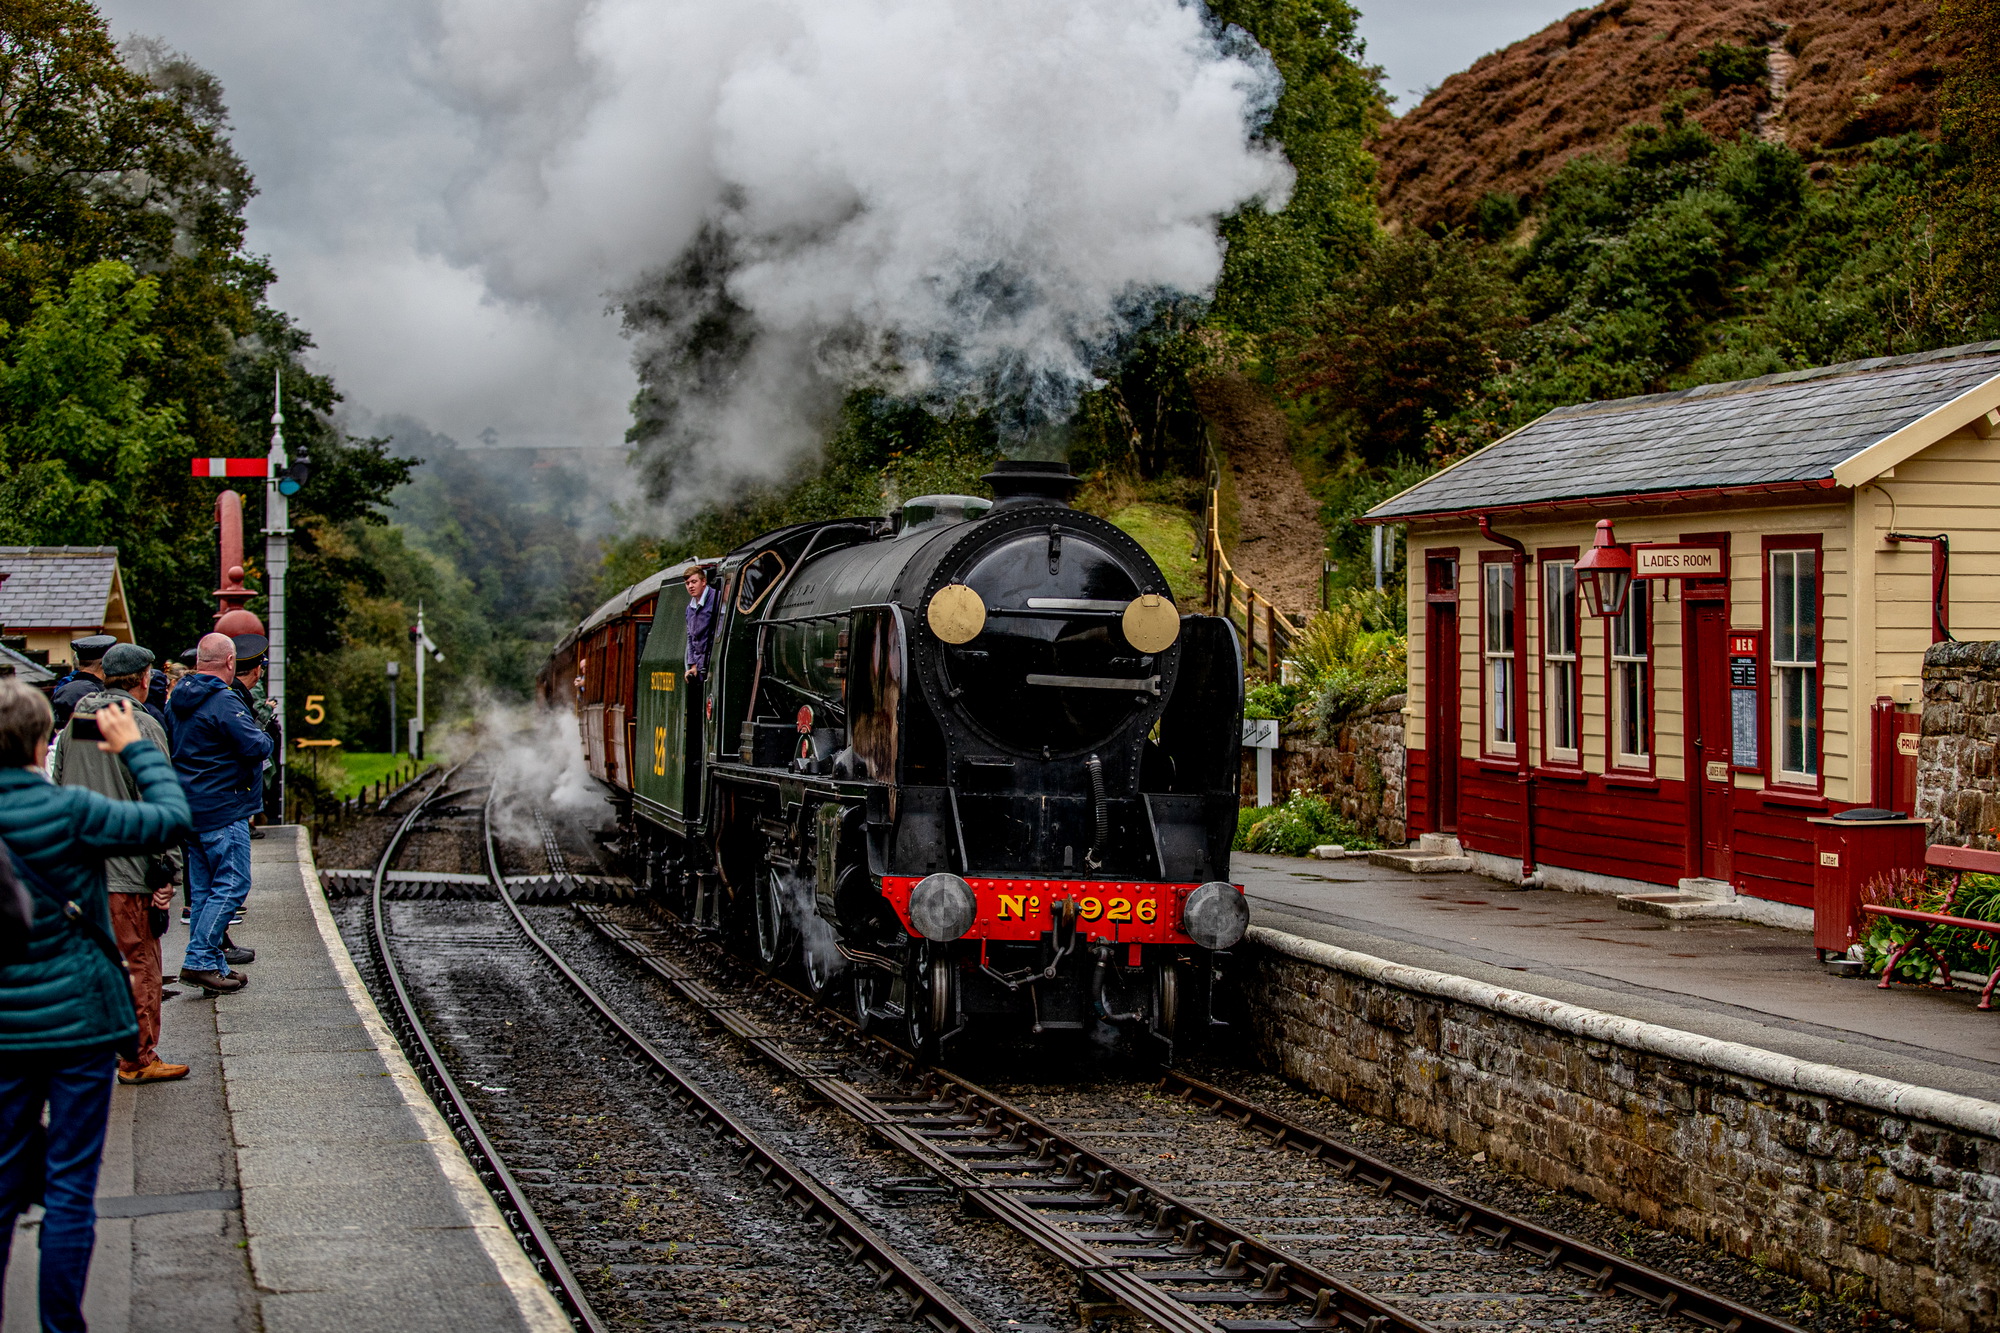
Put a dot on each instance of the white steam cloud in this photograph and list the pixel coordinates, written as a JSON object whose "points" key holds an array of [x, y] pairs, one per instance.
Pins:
{"points": [[785, 197]]}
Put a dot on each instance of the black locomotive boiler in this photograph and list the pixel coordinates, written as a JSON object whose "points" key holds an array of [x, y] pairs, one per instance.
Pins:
{"points": [[967, 766]]}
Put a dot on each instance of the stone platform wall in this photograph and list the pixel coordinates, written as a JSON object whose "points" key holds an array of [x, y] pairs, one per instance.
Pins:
{"points": [[1872, 1190], [1361, 773], [1958, 771]]}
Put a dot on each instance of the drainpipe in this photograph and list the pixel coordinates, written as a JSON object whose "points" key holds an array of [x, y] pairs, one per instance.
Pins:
{"points": [[1524, 775]]}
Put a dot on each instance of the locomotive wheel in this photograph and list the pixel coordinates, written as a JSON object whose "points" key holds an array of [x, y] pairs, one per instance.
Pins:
{"points": [[823, 967], [1169, 1002], [871, 996], [930, 1004], [776, 935]]}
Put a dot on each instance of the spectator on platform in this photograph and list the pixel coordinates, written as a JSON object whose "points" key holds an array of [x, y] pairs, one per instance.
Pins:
{"points": [[250, 656], [66, 1007], [219, 751], [141, 887], [85, 680], [156, 693]]}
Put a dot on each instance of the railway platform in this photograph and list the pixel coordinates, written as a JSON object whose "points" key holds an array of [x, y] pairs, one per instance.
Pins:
{"points": [[298, 1178], [1756, 985]]}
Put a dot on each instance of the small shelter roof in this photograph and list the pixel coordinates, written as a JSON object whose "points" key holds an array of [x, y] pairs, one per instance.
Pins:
{"points": [[1839, 425], [23, 668], [56, 587]]}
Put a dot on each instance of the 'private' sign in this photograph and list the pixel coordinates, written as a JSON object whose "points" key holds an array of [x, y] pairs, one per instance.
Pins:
{"points": [[1677, 560]]}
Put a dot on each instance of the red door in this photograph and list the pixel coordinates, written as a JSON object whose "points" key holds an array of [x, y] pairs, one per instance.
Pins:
{"points": [[1707, 683], [1441, 686]]}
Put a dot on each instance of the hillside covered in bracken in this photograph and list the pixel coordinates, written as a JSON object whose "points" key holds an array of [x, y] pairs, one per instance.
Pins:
{"points": [[1815, 75]]}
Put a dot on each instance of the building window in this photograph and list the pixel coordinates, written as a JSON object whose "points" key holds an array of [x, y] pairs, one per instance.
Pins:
{"points": [[1631, 681], [1497, 602], [1795, 664], [1559, 668]]}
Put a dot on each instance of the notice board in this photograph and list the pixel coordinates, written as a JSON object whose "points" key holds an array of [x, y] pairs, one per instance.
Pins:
{"points": [[1746, 655]]}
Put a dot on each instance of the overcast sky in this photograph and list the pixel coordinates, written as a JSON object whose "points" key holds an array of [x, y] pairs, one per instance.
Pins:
{"points": [[393, 142]]}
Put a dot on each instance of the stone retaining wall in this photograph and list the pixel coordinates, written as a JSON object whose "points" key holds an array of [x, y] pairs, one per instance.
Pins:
{"points": [[1876, 1191], [1361, 773], [1958, 773]]}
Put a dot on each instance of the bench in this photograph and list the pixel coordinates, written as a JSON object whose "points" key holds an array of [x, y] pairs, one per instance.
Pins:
{"points": [[1958, 861]]}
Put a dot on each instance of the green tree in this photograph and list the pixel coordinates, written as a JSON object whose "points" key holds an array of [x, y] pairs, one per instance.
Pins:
{"points": [[1280, 263], [78, 441]]}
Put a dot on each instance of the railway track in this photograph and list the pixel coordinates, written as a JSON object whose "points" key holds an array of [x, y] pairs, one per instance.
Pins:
{"points": [[922, 1303], [1070, 1178], [1164, 1255]]}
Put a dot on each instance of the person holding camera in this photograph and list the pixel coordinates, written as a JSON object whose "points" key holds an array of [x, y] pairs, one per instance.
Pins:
{"points": [[141, 887], [65, 1001]]}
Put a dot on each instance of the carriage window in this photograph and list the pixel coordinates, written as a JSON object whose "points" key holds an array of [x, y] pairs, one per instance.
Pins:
{"points": [[758, 577]]}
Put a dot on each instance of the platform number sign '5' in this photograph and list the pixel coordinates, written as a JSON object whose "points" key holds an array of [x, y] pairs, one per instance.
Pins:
{"points": [[659, 752], [315, 709]]}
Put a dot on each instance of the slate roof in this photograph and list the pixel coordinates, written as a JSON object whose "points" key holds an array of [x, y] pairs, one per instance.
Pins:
{"points": [[55, 587], [1793, 427], [24, 669]]}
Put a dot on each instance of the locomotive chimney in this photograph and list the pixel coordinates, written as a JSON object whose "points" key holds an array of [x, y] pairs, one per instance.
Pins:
{"points": [[1018, 481]]}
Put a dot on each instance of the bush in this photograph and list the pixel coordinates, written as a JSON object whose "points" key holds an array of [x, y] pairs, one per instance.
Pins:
{"points": [[1976, 897], [1350, 657], [1303, 822], [1273, 699]]}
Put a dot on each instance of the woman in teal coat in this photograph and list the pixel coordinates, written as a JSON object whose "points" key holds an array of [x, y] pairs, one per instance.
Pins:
{"points": [[65, 1003]]}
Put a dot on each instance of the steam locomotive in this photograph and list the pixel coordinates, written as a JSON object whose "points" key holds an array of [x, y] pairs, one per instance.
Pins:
{"points": [[964, 766]]}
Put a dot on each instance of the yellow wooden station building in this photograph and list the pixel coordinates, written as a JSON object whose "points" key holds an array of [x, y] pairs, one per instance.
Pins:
{"points": [[1650, 638]]}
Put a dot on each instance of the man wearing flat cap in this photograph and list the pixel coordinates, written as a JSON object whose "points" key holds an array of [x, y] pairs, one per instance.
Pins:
{"points": [[138, 882], [86, 679]]}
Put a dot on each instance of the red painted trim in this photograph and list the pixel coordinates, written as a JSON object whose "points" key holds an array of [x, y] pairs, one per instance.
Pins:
{"points": [[1797, 542], [1791, 798], [1449, 596], [1550, 764], [1645, 499]]}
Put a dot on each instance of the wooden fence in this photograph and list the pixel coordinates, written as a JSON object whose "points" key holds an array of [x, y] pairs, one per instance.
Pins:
{"points": [[1267, 631]]}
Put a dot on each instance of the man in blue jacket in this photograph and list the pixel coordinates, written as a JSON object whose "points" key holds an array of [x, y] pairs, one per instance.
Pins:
{"points": [[65, 1001], [219, 752]]}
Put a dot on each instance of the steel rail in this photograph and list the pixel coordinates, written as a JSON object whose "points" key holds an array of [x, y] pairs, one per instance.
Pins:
{"points": [[1609, 1272], [1021, 1171], [437, 1080], [927, 1301], [1503, 1230]]}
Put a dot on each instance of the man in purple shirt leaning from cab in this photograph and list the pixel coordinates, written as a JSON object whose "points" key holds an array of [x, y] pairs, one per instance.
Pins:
{"points": [[702, 609]]}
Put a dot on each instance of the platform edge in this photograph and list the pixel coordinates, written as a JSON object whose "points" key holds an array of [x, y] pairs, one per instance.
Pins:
{"points": [[1933, 1105], [538, 1307]]}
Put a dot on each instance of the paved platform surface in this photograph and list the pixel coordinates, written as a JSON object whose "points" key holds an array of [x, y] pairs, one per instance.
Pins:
{"points": [[1733, 980], [297, 1179]]}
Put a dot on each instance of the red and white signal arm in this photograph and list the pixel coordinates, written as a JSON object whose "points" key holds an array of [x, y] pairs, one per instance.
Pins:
{"points": [[1677, 560], [232, 467]]}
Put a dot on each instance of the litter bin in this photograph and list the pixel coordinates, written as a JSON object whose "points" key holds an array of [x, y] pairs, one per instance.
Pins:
{"points": [[1854, 848]]}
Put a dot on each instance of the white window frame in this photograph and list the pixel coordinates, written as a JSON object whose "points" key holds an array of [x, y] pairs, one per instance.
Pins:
{"points": [[1562, 709], [1629, 642], [1793, 572], [1498, 642]]}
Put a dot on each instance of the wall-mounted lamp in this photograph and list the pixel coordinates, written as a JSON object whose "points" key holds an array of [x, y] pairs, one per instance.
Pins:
{"points": [[1605, 571]]}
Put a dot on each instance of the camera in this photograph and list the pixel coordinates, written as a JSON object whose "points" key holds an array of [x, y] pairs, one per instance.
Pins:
{"points": [[85, 729]]}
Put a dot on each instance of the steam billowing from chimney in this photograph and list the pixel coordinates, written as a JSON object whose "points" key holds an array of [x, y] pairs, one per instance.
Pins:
{"points": [[787, 198]]}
